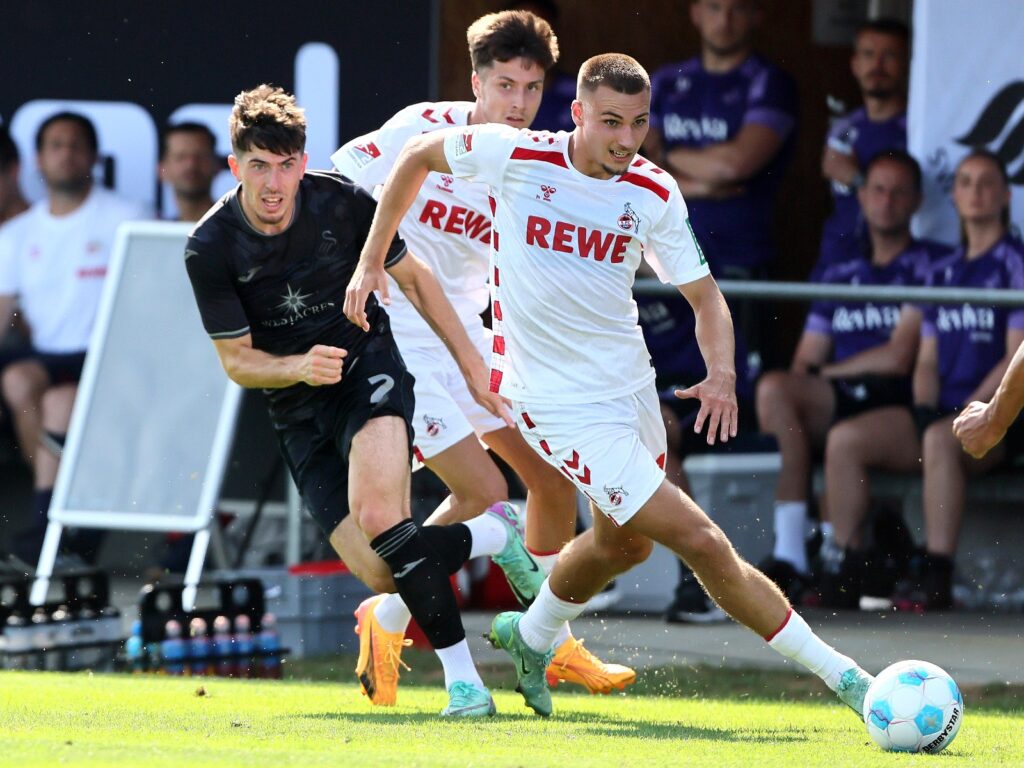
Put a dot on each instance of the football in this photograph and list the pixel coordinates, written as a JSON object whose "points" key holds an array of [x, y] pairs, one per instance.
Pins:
{"points": [[913, 706]]}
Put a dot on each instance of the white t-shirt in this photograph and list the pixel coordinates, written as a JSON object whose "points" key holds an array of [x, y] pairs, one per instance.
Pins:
{"points": [[566, 248], [448, 225], [55, 265]]}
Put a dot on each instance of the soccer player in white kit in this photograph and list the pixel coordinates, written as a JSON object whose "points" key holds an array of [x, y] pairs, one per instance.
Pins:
{"points": [[449, 227], [574, 214]]}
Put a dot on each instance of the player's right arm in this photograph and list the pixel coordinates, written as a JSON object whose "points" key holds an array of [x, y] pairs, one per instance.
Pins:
{"points": [[980, 426], [255, 369], [225, 321], [421, 155]]}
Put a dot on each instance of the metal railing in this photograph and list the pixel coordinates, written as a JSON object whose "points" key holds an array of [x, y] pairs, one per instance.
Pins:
{"points": [[770, 289]]}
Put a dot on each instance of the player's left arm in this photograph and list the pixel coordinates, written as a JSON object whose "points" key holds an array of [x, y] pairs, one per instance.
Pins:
{"points": [[980, 426], [421, 155], [424, 292], [729, 162], [717, 392], [990, 384]]}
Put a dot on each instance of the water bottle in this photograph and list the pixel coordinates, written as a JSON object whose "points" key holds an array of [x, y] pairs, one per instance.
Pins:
{"points": [[223, 652], [133, 650], [173, 649], [268, 648], [244, 646], [199, 647]]}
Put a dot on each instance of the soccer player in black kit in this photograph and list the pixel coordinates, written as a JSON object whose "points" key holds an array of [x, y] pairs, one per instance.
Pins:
{"points": [[269, 264]]}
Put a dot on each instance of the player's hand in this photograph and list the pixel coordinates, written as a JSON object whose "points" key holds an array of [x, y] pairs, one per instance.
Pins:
{"points": [[479, 382], [718, 407], [321, 365], [839, 167], [365, 280], [975, 430]]}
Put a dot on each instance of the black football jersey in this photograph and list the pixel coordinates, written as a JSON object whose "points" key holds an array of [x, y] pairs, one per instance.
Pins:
{"points": [[288, 289]]}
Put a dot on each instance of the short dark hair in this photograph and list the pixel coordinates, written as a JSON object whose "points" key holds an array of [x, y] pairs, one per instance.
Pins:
{"points": [[8, 149], [267, 117], [621, 73], [81, 121], [187, 127], [508, 35], [885, 26], [900, 157]]}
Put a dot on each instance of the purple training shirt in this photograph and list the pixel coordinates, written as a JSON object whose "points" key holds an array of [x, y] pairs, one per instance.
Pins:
{"points": [[855, 134], [696, 108], [856, 326], [972, 337]]}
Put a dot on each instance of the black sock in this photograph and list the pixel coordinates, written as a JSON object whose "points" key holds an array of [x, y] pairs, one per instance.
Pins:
{"points": [[452, 543], [422, 581]]}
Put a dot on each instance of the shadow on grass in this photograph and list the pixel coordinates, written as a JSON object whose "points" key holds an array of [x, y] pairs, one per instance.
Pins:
{"points": [[587, 723]]}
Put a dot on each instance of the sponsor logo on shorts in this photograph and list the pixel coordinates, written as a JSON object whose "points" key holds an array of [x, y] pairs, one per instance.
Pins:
{"points": [[616, 494], [434, 426]]}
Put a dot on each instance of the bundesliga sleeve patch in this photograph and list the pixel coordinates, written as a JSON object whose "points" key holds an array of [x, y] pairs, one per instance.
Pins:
{"points": [[363, 154], [464, 144]]}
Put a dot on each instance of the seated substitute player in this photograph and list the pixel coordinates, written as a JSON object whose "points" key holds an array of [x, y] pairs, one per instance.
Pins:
{"points": [[449, 228], [852, 357], [965, 350], [268, 264], [574, 363]]}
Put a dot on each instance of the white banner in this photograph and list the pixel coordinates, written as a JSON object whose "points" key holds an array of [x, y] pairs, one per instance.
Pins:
{"points": [[966, 91]]}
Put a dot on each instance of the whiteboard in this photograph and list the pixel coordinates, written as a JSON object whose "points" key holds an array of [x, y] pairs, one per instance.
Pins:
{"points": [[153, 419]]}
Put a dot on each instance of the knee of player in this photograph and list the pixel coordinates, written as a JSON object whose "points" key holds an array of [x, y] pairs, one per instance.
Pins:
{"points": [[702, 543], [374, 516], [626, 553]]}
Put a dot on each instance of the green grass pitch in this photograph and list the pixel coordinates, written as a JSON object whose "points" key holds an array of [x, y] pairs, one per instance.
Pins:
{"points": [[672, 718]]}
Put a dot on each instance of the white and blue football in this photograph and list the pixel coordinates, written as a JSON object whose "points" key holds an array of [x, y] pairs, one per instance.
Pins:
{"points": [[913, 706]]}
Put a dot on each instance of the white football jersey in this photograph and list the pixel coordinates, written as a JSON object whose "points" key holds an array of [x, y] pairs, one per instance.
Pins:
{"points": [[448, 225], [56, 266], [565, 251]]}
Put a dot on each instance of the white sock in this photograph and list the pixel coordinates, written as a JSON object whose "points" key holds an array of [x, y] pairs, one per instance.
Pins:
{"points": [[489, 535], [458, 665], [547, 563], [392, 614], [790, 528], [545, 619], [795, 640]]}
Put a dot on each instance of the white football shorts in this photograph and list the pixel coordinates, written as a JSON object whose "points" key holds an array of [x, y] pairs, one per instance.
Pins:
{"points": [[613, 451], [445, 410]]}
